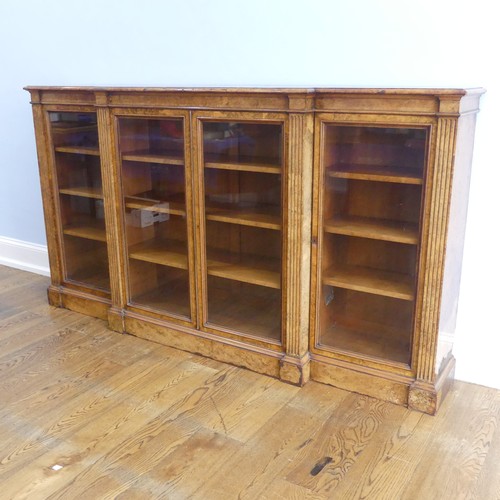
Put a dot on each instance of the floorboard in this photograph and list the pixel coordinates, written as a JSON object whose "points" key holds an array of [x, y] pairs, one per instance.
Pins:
{"points": [[89, 413]]}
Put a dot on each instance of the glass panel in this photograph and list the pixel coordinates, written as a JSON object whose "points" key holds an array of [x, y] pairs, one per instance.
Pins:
{"points": [[371, 213], [153, 179], [79, 180], [243, 163], [375, 153]]}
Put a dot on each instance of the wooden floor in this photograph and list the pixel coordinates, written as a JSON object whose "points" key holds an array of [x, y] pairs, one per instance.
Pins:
{"points": [[89, 413]]}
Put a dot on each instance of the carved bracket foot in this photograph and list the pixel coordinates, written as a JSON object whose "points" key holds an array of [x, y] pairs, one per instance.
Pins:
{"points": [[295, 370], [116, 320], [54, 296], [427, 397], [423, 397]]}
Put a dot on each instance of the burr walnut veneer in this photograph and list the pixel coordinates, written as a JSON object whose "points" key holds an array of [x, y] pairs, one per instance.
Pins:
{"points": [[301, 233]]}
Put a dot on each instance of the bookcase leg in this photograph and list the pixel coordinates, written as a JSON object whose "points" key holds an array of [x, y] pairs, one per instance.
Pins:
{"points": [[295, 370], [427, 397], [54, 296], [116, 320]]}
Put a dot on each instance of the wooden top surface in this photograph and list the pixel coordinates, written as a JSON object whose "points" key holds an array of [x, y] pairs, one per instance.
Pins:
{"points": [[280, 90], [410, 101]]}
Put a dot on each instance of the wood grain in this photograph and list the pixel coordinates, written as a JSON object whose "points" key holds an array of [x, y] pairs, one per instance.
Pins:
{"points": [[126, 418], [471, 417]]}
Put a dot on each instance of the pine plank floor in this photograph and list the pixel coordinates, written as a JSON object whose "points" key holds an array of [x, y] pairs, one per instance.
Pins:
{"points": [[87, 413]]}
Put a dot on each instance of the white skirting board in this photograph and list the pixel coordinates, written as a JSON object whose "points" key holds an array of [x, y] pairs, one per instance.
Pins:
{"points": [[24, 255]]}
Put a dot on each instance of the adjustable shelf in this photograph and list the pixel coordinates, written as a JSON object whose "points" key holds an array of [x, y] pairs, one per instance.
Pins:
{"points": [[377, 173], [165, 157], [83, 191], [242, 164], [378, 229], [71, 127], [89, 231], [256, 270], [161, 206], [81, 150], [161, 252], [363, 279], [248, 217]]}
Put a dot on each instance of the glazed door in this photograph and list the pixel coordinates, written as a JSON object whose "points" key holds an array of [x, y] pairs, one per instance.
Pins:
{"points": [[156, 179], [241, 171], [368, 230], [79, 184]]}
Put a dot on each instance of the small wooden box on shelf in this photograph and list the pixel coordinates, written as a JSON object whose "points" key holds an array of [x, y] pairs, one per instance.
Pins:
{"points": [[300, 233]]}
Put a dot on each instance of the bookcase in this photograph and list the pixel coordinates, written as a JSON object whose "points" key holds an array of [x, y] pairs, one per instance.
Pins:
{"points": [[300, 233]]}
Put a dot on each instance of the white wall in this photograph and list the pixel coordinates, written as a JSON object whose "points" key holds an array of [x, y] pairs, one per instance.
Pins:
{"points": [[264, 42]]}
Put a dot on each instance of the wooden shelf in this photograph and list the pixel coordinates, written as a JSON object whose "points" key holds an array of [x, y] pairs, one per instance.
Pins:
{"points": [[362, 279], [254, 270], [89, 231], [162, 206], [377, 229], [81, 150], [161, 252], [368, 341], [244, 217], [146, 156], [243, 164], [84, 191], [400, 175], [66, 127]]}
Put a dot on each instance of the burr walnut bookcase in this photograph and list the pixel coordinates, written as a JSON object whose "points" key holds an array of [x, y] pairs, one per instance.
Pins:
{"points": [[301, 233]]}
